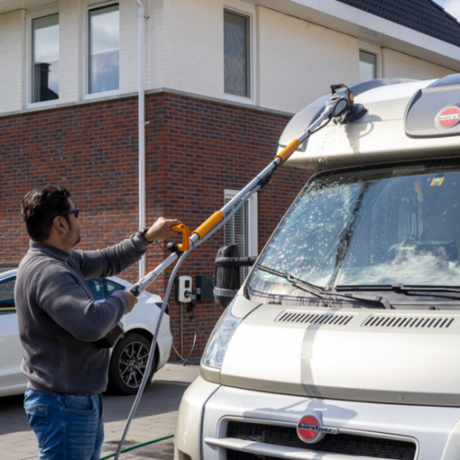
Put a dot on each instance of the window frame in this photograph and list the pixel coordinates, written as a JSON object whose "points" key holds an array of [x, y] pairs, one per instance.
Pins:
{"points": [[250, 13], [87, 7], [31, 15]]}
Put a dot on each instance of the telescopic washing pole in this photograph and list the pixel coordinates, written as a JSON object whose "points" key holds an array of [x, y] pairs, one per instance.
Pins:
{"points": [[340, 104]]}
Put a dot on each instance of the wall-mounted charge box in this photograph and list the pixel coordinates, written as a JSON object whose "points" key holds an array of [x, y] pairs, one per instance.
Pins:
{"points": [[204, 288], [182, 284]]}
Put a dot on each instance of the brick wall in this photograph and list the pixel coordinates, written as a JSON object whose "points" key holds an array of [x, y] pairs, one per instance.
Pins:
{"points": [[194, 150]]}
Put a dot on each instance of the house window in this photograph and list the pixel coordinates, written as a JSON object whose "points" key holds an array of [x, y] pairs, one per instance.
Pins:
{"points": [[236, 54], [45, 58], [241, 229], [367, 66], [104, 49]]}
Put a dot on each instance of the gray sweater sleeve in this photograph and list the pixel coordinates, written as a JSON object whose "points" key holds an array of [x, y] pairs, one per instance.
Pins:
{"points": [[60, 295], [111, 260]]}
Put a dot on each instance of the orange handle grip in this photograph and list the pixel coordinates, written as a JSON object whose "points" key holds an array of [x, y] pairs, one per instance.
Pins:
{"points": [[288, 150], [185, 246], [209, 224]]}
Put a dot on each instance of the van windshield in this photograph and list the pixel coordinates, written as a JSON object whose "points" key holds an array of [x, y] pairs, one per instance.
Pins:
{"points": [[373, 226]]}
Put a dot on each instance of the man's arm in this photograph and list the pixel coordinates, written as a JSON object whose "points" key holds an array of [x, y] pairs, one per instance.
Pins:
{"points": [[114, 259]]}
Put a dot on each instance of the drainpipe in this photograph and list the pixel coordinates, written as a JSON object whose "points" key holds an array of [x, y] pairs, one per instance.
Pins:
{"points": [[141, 19]]}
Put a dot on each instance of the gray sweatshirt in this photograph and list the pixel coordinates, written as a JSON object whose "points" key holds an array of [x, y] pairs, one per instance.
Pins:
{"points": [[59, 319]]}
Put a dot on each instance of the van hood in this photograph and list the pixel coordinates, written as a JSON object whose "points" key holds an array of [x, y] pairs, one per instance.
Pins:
{"points": [[401, 357]]}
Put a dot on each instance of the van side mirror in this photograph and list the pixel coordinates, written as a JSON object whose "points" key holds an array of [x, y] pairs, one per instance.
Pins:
{"points": [[227, 273]]}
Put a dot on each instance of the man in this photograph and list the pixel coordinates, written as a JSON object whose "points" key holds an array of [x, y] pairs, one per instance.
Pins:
{"points": [[59, 322]]}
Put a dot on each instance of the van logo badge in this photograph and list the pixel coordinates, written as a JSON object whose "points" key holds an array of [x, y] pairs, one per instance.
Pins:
{"points": [[310, 429], [447, 117]]}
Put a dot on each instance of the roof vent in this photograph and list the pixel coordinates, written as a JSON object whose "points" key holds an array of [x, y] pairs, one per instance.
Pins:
{"points": [[314, 318], [409, 321]]}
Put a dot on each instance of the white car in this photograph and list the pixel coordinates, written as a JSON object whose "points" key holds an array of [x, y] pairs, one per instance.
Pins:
{"points": [[128, 357]]}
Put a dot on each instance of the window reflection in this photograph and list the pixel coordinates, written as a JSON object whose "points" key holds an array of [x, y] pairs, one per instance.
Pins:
{"points": [[104, 49], [236, 54], [381, 226], [367, 66], [7, 294], [45, 58]]}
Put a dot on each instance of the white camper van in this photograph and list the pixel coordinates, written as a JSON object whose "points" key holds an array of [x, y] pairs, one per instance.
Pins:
{"points": [[344, 341]]}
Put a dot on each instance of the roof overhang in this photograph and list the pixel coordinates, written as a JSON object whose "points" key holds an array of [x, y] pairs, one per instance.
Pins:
{"points": [[370, 28]]}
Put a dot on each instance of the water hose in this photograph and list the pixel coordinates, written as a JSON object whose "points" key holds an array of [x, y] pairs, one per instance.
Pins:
{"points": [[137, 446]]}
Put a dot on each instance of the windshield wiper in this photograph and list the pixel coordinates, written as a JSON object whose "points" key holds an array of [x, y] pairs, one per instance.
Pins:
{"points": [[427, 291], [319, 291]]}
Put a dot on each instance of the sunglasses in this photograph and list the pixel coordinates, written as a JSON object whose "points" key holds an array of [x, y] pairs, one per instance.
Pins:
{"points": [[75, 211]]}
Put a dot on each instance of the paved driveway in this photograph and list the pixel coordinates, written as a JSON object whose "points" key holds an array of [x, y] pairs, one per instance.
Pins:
{"points": [[155, 418]]}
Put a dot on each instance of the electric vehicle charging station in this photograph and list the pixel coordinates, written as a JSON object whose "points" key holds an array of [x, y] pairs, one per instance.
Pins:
{"points": [[184, 288]]}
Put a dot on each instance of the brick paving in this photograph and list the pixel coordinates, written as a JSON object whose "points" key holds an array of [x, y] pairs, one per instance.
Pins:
{"points": [[155, 418]]}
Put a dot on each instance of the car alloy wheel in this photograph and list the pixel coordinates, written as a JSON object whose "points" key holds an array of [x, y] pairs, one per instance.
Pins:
{"points": [[128, 364]]}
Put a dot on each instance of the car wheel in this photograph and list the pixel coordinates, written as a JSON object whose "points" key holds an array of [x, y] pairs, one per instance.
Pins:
{"points": [[128, 363]]}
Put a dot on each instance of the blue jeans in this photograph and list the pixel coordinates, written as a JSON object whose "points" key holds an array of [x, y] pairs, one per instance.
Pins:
{"points": [[67, 426]]}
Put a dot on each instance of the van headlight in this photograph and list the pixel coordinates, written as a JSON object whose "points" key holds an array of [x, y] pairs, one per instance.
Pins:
{"points": [[217, 344]]}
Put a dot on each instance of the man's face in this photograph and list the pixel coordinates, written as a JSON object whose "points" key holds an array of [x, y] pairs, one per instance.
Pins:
{"points": [[74, 236]]}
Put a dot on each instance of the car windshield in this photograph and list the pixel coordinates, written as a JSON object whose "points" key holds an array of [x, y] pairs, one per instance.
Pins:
{"points": [[374, 226]]}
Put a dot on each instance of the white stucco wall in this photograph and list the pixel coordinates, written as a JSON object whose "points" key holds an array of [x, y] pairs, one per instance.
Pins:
{"points": [[129, 45], [155, 45], [12, 32], [299, 61], [395, 64], [193, 46], [70, 47]]}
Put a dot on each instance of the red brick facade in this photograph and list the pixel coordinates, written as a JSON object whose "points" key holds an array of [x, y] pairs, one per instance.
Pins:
{"points": [[194, 150]]}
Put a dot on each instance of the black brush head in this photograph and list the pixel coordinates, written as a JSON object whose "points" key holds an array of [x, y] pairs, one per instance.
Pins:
{"points": [[355, 112]]}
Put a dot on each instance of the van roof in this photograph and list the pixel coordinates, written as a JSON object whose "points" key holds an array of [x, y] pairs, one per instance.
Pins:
{"points": [[405, 120]]}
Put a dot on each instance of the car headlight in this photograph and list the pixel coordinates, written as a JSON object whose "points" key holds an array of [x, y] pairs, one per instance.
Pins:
{"points": [[218, 341]]}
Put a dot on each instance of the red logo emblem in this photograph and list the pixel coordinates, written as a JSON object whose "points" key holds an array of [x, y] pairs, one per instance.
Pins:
{"points": [[309, 429], [447, 117]]}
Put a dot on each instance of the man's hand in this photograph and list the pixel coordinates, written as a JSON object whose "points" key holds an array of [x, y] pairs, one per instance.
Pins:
{"points": [[161, 229], [132, 299]]}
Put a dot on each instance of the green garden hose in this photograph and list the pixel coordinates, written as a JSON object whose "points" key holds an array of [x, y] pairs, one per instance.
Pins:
{"points": [[137, 446]]}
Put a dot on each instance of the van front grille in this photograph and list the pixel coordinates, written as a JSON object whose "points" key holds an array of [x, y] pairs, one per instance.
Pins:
{"points": [[339, 443]]}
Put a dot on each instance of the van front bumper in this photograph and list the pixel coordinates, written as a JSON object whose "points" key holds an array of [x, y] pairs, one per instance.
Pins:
{"points": [[221, 423]]}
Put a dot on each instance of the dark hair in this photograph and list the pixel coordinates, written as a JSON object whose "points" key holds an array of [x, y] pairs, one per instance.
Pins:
{"points": [[40, 206]]}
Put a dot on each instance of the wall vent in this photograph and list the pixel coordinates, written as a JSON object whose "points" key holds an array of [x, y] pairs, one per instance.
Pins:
{"points": [[314, 318], [409, 321]]}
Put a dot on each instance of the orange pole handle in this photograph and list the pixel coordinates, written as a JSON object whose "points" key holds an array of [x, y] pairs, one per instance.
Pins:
{"points": [[288, 150], [185, 246], [209, 224]]}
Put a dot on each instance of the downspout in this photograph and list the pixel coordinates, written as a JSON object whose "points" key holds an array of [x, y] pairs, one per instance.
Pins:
{"points": [[141, 18]]}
